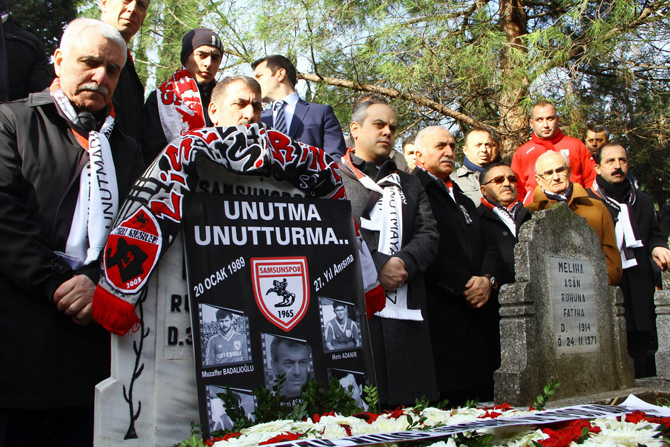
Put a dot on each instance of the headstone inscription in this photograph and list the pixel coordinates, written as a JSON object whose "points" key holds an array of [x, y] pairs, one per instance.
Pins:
{"points": [[560, 320], [151, 397]]}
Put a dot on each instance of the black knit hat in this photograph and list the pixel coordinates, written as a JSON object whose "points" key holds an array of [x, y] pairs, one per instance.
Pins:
{"points": [[197, 38]]}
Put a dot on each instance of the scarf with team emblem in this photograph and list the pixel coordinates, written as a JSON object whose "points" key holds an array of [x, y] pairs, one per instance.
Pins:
{"points": [[383, 214], [506, 214], [179, 105], [625, 227], [98, 200], [151, 216]]}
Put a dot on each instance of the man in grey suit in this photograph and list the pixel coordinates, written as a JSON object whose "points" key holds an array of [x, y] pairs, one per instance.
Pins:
{"points": [[307, 122], [397, 224]]}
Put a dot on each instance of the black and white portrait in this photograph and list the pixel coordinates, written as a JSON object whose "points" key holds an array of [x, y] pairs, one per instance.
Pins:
{"points": [[224, 335], [289, 356], [353, 382], [340, 325], [219, 419]]}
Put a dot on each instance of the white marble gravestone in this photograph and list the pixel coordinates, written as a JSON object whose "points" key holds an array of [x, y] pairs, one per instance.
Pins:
{"points": [[151, 399]]}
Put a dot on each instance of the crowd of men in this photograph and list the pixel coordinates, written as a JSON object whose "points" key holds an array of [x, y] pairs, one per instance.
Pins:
{"points": [[442, 238]]}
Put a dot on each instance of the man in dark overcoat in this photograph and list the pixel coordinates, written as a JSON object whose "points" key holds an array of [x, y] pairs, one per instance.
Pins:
{"points": [[127, 16], [639, 239], [64, 171], [396, 223], [458, 280], [501, 215]]}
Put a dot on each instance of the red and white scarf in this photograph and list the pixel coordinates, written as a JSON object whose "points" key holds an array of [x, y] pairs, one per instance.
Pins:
{"points": [[98, 201], [156, 204], [179, 105], [547, 144], [384, 214]]}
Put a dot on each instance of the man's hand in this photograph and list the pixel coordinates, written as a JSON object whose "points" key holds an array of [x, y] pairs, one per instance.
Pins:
{"points": [[393, 274], [74, 298], [661, 256], [477, 291]]}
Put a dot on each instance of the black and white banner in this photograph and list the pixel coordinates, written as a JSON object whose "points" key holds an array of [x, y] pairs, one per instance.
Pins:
{"points": [[275, 288]]}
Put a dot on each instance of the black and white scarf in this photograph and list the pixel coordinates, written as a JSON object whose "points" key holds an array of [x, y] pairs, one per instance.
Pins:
{"points": [[625, 225], [565, 197], [98, 201], [383, 214]]}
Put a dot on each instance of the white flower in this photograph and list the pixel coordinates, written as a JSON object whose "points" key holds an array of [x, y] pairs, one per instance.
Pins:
{"points": [[245, 440], [624, 434], [435, 416], [274, 427]]}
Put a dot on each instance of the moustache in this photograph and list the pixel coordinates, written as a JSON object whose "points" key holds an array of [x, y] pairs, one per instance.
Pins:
{"points": [[93, 87], [618, 172], [448, 160]]}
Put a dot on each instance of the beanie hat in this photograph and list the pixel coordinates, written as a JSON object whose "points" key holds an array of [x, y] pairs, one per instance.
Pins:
{"points": [[197, 38]]}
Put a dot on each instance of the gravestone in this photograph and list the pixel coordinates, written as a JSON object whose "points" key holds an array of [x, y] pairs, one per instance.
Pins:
{"points": [[662, 301], [560, 320], [151, 397]]}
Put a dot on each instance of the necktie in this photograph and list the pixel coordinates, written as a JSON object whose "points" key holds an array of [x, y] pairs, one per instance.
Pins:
{"points": [[280, 117]]}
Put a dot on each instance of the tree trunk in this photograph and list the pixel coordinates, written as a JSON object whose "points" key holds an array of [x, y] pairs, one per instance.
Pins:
{"points": [[513, 124]]}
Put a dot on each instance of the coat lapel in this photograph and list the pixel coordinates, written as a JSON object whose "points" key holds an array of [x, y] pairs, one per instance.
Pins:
{"points": [[301, 109]]}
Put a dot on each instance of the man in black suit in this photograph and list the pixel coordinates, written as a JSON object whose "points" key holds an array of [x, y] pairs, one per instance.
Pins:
{"points": [[459, 280], [501, 215], [307, 122], [127, 17], [639, 240]]}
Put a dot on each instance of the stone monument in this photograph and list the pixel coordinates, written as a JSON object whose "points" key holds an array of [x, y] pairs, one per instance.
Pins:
{"points": [[662, 301], [561, 320]]}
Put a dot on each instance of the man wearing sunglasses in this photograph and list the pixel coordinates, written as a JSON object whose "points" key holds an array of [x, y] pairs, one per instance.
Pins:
{"points": [[501, 215], [459, 280], [547, 137], [554, 185], [640, 242]]}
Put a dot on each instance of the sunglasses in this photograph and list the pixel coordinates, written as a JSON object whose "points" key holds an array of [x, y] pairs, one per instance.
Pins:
{"points": [[498, 180]]}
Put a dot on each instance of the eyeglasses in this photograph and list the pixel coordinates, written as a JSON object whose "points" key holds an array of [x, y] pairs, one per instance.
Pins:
{"points": [[498, 180], [562, 170]]}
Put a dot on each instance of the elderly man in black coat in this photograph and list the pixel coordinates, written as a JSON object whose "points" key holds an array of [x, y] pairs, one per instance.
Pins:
{"points": [[393, 213], [459, 280], [65, 169], [639, 240]]}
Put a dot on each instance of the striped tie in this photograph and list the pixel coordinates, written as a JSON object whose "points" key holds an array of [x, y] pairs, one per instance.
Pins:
{"points": [[280, 117]]}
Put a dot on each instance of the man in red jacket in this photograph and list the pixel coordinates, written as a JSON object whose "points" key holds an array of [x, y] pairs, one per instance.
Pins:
{"points": [[548, 137]]}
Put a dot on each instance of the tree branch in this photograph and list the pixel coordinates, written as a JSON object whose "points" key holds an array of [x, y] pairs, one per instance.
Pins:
{"points": [[393, 93]]}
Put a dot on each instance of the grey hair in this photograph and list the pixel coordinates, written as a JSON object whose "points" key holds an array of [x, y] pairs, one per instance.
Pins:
{"points": [[548, 153], [418, 142], [75, 28]]}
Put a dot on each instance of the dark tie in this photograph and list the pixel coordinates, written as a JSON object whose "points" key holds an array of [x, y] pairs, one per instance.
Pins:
{"points": [[280, 117]]}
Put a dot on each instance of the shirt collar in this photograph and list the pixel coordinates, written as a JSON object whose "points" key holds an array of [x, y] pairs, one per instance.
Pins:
{"points": [[292, 99]]}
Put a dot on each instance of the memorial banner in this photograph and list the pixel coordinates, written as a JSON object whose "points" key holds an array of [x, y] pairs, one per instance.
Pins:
{"points": [[275, 288]]}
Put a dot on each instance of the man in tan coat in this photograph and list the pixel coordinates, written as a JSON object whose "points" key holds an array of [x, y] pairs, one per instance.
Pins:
{"points": [[552, 173]]}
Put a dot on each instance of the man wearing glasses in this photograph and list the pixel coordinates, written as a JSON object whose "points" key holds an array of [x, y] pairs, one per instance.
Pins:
{"points": [[501, 215], [547, 137], [554, 185], [459, 280]]}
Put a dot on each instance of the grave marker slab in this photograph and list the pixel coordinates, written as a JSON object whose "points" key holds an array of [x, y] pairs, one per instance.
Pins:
{"points": [[560, 320]]}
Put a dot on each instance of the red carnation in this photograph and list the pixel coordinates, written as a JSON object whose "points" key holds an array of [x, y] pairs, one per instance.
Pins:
{"points": [[281, 438]]}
